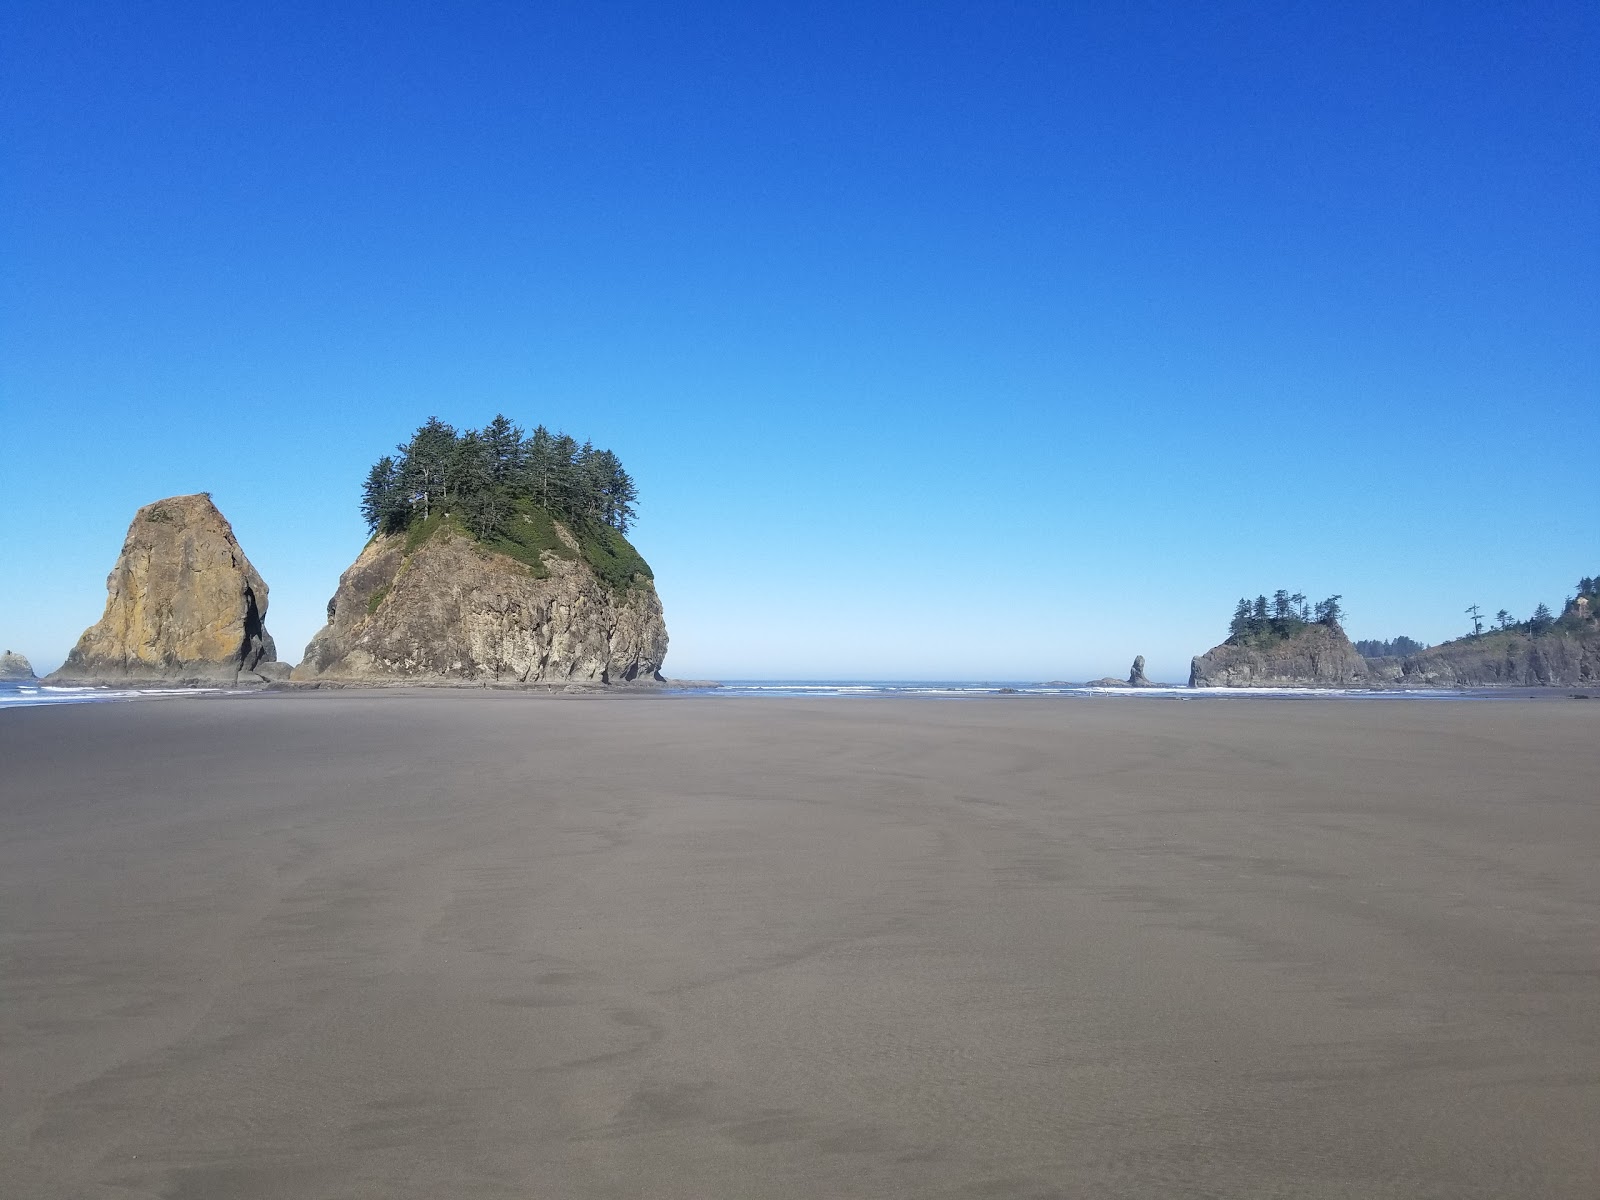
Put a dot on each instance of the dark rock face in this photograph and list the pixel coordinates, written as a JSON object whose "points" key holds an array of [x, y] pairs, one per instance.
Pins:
{"points": [[1512, 658], [1318, 656], [15, 667], [1137, 677], [183, 603]]}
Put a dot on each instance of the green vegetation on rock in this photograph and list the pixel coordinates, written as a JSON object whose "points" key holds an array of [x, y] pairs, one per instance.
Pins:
{"points": [[1265, 622], [507, 491]]}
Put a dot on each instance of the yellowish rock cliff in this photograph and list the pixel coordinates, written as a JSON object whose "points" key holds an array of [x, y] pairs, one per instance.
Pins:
{"points": [[182, 603]]}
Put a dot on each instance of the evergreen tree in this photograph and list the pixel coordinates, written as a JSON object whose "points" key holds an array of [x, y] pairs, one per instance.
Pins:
{"points": [[1258, 614], [1541, 620], [504, 442], [425, 465], [1329, 612], [1280, 605], [480, 476], [380, 494], [539, 464], [1240, 625], [470, 471]]}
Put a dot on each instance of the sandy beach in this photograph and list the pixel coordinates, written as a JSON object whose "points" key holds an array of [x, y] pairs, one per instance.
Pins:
{"points": [[415, 944]]}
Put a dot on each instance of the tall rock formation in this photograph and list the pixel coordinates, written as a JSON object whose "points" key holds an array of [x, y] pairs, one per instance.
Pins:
{"points": [[1136, 677], [183, 604], [444, 607], [14, 667], [1317, 655]]}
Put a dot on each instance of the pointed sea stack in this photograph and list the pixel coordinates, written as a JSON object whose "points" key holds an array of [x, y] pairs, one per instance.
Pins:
{"points": [[183, 605]]}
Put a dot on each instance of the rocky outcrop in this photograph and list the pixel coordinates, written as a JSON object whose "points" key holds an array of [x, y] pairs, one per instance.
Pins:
{"points": [[1561, 657], [183, 604], [452, 610], [1317, 655], [14, 667], [1136, 677]]}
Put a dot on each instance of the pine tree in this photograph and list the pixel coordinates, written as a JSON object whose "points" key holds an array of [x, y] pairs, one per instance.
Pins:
{"points": [[427, 459], [1240, 624], [380, 494], [504, 442]]}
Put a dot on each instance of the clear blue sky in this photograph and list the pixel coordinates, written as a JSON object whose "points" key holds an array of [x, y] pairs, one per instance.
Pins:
{"points": [[944, 340]]}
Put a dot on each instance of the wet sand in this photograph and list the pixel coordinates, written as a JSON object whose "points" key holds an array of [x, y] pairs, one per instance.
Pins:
{"points": [[461, 945]]}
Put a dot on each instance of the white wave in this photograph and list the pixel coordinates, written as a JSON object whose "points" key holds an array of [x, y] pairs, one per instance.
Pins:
{"points": [[51, 695]]}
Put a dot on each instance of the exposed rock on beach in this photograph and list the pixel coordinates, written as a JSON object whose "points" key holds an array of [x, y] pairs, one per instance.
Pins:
{"points": [[1136, 677], [441, 606], [183, 604], [14, 667], [1510, 658], [1317, 655]]}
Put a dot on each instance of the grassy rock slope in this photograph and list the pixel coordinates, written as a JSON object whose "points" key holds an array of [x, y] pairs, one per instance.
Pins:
{"points": [[183, 603], [1316, 656], [435, 604]]}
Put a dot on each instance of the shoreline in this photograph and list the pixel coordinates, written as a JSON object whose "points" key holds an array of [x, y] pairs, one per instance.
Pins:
{"points": [[38, 693]]}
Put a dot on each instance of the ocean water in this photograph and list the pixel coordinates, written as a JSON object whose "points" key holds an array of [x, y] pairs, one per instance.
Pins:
{"points": [[957, 688], [15, 694], [27, 695]]}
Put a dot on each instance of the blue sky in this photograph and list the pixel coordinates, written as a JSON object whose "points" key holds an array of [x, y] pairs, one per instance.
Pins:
{"points": [[944, 340]]}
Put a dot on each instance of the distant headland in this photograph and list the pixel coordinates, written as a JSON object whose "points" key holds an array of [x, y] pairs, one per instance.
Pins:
{"points": [[1287, 642]]}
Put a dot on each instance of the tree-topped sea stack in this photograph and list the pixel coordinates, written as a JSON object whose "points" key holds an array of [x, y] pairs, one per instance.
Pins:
{"points": [[183, 604], [495, 558], [1282, 642]]}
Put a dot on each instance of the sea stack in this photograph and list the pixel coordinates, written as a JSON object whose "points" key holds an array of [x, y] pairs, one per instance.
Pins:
{"points": [[1313, 655], [15, 668], [434, 604], [1136, 676], [183, 605]]}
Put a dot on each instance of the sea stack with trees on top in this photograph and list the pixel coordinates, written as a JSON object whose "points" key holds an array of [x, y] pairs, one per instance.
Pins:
{"points": [[1286, 642], [1282, 642], [495, 557], [183, 605]]}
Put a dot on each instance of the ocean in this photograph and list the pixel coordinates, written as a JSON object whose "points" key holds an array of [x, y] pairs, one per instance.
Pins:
{"points": [[30, 694]]}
